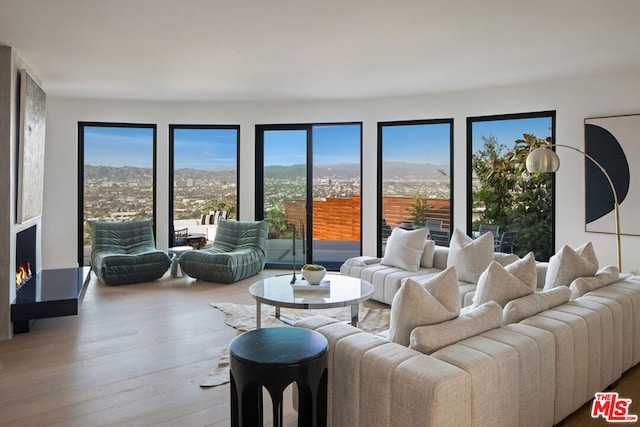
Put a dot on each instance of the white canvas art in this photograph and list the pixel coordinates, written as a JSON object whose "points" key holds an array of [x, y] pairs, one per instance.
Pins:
{"points": [[31, 151]]}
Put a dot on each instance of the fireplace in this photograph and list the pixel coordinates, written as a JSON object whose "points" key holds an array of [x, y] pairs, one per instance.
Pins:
{"points": [[42, 293], [25, 256]]}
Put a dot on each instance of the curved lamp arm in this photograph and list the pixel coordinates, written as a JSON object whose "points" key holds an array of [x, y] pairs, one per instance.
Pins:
{"points": [[545, 160]]}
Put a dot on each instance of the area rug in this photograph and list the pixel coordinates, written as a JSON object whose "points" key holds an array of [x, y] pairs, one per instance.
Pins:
{"points": [[242, 317]]}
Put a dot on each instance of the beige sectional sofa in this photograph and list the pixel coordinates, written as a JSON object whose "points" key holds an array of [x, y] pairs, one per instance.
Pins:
{"points": [[532, 362], [386, 280]]}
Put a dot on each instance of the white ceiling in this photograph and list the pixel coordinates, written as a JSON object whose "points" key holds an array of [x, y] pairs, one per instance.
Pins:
{"points": [[313, 49]]}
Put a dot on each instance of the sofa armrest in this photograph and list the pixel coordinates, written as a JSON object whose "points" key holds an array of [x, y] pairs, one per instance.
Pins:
{"points": [[376, 382]]}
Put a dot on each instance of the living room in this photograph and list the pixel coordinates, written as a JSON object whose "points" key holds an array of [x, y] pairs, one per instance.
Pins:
{"points": [[608, 87]]}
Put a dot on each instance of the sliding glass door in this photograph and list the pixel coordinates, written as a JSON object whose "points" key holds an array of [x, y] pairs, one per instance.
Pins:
{"points": [[308, 185]]}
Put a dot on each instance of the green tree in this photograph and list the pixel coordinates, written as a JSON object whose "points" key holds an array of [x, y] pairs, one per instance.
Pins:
{"points": [[229, 204], [532, 216], [278, 222], [509, 196], [493, 169], [419, 210]]}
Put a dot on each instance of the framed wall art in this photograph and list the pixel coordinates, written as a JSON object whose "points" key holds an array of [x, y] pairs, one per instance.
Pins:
{"points": [[613, 142], [31, 149]]}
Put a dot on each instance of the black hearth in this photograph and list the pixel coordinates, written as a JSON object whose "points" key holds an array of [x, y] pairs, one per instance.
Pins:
{"points": [[46, 293]]}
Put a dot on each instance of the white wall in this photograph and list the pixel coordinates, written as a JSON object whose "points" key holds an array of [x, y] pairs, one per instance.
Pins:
{"points": [[10, 65], [573, 99]]}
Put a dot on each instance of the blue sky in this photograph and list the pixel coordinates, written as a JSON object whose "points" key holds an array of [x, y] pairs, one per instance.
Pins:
{"points": [[129, 146], [507, 131], [205, 148], [331, 144], [116, 146], [216, 148], [424, 143]]}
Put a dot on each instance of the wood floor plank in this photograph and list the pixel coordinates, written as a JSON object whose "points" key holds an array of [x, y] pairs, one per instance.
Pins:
{"points": [[134, 356]]}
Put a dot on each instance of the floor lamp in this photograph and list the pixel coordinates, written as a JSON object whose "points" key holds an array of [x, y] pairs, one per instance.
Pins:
{"points": [[545, 160]]}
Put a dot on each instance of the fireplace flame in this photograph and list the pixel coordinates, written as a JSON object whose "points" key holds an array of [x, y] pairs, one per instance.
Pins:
{"points": [[23, 275]]}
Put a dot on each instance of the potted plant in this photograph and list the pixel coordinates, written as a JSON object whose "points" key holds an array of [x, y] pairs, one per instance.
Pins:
{"points": [[313, 273]]}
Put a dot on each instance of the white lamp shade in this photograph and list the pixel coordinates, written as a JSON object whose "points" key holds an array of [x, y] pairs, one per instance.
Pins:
{"points": [[543, 160]]}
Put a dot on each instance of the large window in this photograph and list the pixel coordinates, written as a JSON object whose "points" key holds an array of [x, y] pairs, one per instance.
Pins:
{"points": [[116, 176], [414, 175], [501, 192], [308, 180], [203, 178]]}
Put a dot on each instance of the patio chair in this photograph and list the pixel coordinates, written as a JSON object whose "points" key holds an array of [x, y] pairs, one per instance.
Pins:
{"points": [[507, 242], [441, 237], [180, 237], [495, 229], [434, 224]]}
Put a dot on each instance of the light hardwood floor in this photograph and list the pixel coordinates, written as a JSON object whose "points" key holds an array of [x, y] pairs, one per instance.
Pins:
{"points": [[134, 356]]}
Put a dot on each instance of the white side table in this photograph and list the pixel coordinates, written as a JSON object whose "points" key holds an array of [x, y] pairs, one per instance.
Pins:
{"points": [[176, 252]]}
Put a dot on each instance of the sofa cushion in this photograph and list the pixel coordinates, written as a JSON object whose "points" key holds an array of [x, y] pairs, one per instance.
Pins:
{"points": [[503, 284], [404, 248], [427, 255], [470, 257], [603, 277], [428, 339], [569, 264], [435, 300], [505, 259], [530, 305]]}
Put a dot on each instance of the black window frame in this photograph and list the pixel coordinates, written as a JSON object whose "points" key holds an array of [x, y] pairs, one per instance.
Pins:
{"points": [[380, 162], [259, 175], [82, 125], [171, 170], [509, 116]]}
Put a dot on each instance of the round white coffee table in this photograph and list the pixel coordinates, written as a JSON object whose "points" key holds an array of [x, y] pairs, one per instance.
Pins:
{"points": [[342, 291], [176, 252]]}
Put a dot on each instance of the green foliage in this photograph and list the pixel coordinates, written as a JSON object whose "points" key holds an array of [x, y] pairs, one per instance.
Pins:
{"points": [[229, 204], [312, 267], [509, 196], [278, 222], [419, 210]]}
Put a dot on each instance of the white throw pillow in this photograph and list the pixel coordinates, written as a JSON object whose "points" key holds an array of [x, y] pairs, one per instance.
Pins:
{"points": [[470, 257], [503, 284], [418, 304], [430, 338], [604, 277], [532, 304], [427, 255], [568, 264], [405, 248]]}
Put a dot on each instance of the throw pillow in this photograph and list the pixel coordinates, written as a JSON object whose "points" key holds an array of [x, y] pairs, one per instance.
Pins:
{"points": [[503, 284], [568, 264], [405, 248], [470, 257], [604, 277], [427, 256], [434, 301], [430, 338], [532, 304]]}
